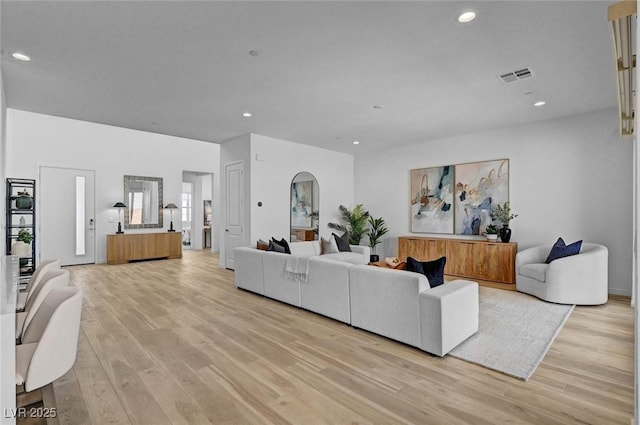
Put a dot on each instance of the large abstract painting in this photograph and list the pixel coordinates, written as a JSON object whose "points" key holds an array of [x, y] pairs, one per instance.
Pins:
{"points": [[479, 187], [432, 200], [301, 204]]}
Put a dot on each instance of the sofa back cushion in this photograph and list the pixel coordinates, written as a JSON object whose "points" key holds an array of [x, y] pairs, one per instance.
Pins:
{"points": [[305, 249]]}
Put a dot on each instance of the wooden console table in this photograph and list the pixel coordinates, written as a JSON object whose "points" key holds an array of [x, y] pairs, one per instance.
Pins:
{"points": [[488, 263], [303, 234], [128, 247]]}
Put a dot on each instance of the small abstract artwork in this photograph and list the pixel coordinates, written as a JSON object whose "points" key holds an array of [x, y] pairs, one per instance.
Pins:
{"points": [[479, 186], [432, 200], [301, 204]]}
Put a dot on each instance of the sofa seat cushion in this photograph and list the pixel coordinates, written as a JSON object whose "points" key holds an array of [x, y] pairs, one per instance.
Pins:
{"points": [[347, 257], [537, 271]]}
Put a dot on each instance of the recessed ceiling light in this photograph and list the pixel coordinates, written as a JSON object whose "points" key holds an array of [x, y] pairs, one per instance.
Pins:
{"points": [[378, 106], [253, 53], [466, 17], [540, 103], [355, 142], [21, 56], [246, 114]]}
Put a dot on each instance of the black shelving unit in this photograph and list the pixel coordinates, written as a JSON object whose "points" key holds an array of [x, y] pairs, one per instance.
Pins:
{"points": [[20, 217]]}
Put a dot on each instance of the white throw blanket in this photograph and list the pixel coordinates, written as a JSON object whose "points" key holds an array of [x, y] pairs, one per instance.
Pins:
{"points": [[297, 268]]}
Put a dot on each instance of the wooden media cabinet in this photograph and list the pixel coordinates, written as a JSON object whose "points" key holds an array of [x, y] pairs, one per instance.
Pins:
{"points": [[488, 263], [128, 247]]}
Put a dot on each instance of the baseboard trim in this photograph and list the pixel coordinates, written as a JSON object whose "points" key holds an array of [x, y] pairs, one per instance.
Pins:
{"points": [[616, 297]]}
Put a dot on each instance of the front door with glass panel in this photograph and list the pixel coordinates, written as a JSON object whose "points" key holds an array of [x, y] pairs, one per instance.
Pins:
{"points": [[67, 215]]}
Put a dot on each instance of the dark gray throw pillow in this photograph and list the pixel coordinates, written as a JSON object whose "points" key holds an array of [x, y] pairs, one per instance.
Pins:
{"points": [[433, 270], [275, 247], [342, 242], [283, 243]]}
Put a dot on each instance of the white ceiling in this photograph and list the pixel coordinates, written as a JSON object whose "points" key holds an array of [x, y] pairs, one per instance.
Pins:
{"points": [[184, 69]]}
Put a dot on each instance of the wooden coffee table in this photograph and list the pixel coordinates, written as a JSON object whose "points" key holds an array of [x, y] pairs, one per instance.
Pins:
{"points": [[384, 264]]}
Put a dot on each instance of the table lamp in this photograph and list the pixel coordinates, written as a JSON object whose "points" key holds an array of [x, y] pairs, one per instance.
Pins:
{"points": [[119, 206], [171, 207]]}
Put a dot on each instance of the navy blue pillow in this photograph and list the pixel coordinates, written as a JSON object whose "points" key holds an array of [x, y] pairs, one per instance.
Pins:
{"points": [[561, 250], [342, 242], [433, 270]]}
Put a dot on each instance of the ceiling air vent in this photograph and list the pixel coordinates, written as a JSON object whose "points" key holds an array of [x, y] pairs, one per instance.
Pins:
{"points": [[519, 74]]}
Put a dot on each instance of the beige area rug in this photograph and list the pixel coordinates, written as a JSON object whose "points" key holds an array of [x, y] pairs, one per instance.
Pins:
{"points": [[515, 332]]}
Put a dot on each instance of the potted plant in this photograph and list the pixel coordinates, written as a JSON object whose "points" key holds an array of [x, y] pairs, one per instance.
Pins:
{"points": [[356, 223], [377, 229], [22, 247], [491, 232], [503, 214]]}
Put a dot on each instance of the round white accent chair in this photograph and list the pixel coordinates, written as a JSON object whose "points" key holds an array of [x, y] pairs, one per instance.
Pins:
{"points": [[581, 279]]}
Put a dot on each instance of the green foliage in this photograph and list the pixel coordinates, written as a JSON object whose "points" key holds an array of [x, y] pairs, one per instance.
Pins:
{"points": [[25, 236], [376, 231], [503, 214], [491, 229], [355, 223]]}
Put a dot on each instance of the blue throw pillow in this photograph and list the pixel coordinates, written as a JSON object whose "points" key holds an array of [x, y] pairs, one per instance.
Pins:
{"points": [[561, 250], [433, 270]]}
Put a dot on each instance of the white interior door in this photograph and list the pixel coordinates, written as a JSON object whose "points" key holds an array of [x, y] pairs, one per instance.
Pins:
{"points": [[67, 215], [234, 222]]}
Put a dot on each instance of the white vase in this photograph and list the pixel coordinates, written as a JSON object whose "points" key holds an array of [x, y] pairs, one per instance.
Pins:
{"points": [[21, 249], [491, 237]]}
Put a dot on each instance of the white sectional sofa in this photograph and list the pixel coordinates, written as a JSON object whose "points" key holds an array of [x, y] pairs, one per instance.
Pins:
{"points": [[326, 290], [393, 303]]}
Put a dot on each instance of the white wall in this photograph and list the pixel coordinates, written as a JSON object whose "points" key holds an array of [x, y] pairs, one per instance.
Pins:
{"points": [[269, 167], [274, 165], [569, 177], [3, 159], [7, 317], [42, 140]]}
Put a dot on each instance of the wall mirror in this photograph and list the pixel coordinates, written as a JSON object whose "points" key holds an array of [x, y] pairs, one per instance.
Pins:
{"points": [[304, 211], [143, 196]]}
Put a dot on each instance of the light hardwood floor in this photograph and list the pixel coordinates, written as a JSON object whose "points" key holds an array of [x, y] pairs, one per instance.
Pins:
{"points": [[174, 342]]}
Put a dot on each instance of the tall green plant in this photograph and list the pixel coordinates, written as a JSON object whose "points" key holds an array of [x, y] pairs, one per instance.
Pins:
{"points": [[377, 229], [355, 222]]}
